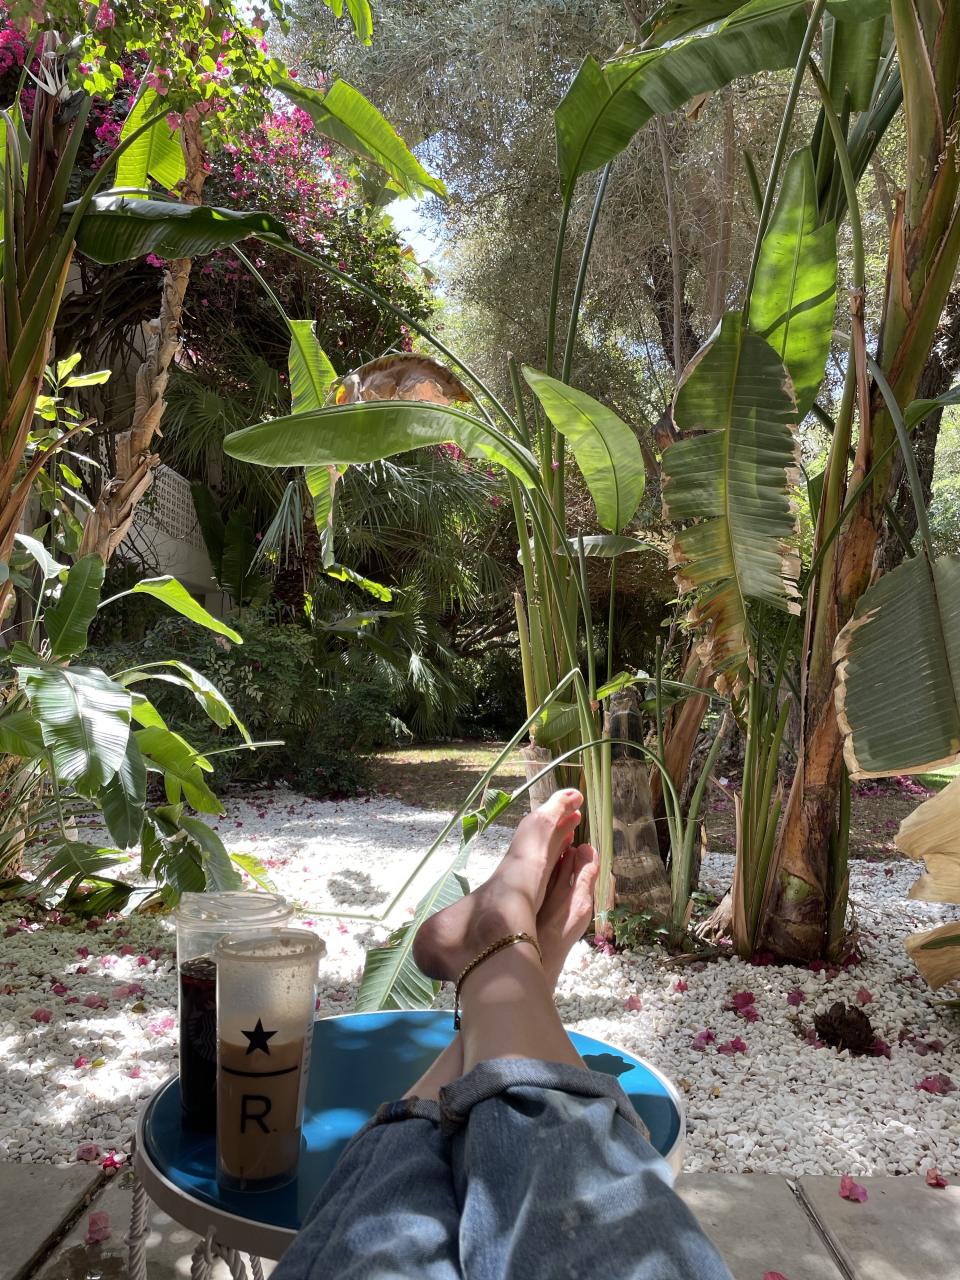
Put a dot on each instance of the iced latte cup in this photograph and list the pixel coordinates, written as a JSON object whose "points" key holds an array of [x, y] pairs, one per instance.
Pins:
{"points": [[266, 994]]}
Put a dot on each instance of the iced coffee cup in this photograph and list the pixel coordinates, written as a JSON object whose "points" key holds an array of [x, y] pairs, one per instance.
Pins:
{"points": [[266, 994]]}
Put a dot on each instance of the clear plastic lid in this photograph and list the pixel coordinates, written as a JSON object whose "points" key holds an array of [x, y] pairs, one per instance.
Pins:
{"points": [[230, 909]]}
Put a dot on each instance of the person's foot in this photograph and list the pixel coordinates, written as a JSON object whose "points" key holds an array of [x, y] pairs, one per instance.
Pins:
{"points": [[567, 909], [509, 901]]}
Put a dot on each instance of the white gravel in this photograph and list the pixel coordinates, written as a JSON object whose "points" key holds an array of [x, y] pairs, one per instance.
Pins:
{"points": [[781, 1106]]}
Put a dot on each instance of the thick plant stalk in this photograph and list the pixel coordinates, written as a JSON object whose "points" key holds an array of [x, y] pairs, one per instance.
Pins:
{"points": [[923, 256], [109, 522]]}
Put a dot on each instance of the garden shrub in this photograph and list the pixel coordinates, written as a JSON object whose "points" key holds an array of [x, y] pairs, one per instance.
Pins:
{"points": [[274, 685]]}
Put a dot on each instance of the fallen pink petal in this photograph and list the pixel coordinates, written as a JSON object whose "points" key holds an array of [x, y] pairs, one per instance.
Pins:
{"points": [[742, 999], [702, 1039], [864, 996], [774, 1275], [736, 1045], [796, 997], [935, 1178], [850, 1190], [939, 1084], [41, 1015], [98, 1228], [88, 1151], [633, 1003], [681, 986]]}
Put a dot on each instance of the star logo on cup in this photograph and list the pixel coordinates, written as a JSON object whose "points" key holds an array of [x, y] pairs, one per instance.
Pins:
{"points": [[258, 1038]]}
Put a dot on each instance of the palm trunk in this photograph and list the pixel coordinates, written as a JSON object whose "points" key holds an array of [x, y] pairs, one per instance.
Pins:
{"points": [[109, 522], [923, 257]]}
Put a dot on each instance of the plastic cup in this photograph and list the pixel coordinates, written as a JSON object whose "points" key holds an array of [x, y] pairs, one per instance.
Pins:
{"points": [[202, 920], [266, 997]]}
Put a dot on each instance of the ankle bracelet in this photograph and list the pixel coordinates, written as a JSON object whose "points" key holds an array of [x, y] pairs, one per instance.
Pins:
{"points": [[485, 954]]}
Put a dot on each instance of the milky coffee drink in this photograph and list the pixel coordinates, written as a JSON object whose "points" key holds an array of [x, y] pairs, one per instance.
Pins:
{"points": [[258, 1107], [266, 993]]}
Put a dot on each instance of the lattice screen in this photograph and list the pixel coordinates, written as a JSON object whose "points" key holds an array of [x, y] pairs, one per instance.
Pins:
{"points": [[168, 506]]}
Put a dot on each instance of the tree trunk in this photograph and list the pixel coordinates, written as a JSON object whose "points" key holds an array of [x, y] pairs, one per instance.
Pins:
{"points": [[109, 522], [937, 378], [922, 261], [640, 878]]}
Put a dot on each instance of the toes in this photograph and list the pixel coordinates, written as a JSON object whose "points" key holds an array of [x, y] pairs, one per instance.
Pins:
{"points": [[585, 866], [562, 804]]}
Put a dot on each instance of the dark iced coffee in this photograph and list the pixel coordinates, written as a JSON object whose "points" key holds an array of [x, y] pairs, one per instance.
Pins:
{"points": [[198, 1042]]}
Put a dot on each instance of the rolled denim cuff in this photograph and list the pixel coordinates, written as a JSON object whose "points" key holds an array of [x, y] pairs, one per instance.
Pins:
{"points": [[400, 1109], [488, 1079]]}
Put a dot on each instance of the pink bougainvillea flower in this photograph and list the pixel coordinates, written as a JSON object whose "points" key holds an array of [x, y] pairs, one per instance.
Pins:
{"points": [[98, 1228], [127, 950], [113, 1161], [633, 1003], [83, 953], [94, 1002], [938, 1083], [135, 1073], [760, 959], [850, 1190], [736, 1045], [749, 1014], [41, 1015], [80, 1062], [864, 996], [59, 989], [88, 1151], [935, 1178], [796, 997], [681, 986], [774, 1275], [880, 1048], [742, 999], [161, 1026], [143, 960], [702, 1039]]}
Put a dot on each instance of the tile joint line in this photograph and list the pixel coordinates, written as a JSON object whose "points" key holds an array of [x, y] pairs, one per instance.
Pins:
{"points": [[823, 1231]]}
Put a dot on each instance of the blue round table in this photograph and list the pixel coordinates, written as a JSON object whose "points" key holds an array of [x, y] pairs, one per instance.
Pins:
{"points": [[359, 1060]]}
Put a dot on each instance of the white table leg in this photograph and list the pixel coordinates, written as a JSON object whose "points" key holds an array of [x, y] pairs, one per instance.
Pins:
{"points": [[137, 1239], [208, 1250]]}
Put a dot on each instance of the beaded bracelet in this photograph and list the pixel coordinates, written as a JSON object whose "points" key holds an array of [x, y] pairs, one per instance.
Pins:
{"points": [[485, 954]]}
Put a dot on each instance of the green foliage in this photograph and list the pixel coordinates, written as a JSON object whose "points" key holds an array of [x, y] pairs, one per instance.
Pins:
{"points": [[607, 451], [794, 299], [278, 688], [605, 106]]}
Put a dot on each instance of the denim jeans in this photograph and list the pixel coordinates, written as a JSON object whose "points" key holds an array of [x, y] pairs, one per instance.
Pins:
{"points": [[526, 1170]]}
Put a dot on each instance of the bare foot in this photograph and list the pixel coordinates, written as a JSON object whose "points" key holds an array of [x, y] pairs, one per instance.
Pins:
{"points": [[509, 901], [567, 909]]}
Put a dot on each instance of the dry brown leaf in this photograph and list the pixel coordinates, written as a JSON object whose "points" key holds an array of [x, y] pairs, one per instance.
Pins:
{"points": [[401, 376]]}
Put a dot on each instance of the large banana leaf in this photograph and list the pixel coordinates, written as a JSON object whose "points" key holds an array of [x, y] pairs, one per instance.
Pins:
{"points": [[795, 295], [370, 431], [84, 717], [936, 953], [220, 872], [20, 735], [124, 797], [176, 597], [68, 621], [605, 106], [852, 48], [205, 691], [311, 373], [344, 114], [182, 767], [607, 452], [155, 154], [120, 228], [898, 669], [733, 480], [311, 377], [391, 979]]}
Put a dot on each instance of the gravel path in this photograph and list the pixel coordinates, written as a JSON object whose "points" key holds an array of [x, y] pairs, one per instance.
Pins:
{"points": [[88, 1028]]}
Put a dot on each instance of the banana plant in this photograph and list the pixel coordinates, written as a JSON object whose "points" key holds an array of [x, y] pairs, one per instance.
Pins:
{"points": [[83, 743]]}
